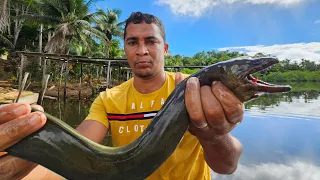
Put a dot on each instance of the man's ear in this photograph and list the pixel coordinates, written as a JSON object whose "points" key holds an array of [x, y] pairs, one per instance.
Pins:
{"points": [[166, 49]]}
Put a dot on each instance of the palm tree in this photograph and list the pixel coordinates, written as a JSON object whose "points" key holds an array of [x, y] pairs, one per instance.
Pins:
{"points": [[107, 22], [70, 21], [3, 15], [4, 23]]}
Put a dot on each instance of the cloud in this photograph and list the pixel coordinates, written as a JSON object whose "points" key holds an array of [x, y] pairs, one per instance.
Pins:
{"points": [[271, 171], [295, 52], [199, 7], [317, 22]]}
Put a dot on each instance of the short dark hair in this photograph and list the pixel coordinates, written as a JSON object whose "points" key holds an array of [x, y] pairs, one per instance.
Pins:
{"points": [[139, 17]]}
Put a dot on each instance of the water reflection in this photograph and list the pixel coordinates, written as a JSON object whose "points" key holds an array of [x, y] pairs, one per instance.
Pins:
{"points": [[298, 103], [279, 134], [73, 112]]}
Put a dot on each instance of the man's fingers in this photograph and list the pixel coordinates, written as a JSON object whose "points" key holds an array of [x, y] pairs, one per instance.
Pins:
{"points": [[213, 111], [13, 131], [38, 107], [24, 172], [12, 111], [11, 167], [178, 78], [232, 106], [193, 103]]}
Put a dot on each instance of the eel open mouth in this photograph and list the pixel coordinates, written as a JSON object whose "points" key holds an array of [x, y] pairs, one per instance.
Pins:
{"points": [[268, 87]]}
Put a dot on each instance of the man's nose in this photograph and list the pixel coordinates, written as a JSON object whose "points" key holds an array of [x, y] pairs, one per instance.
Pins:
{"points": [[142, 50]]}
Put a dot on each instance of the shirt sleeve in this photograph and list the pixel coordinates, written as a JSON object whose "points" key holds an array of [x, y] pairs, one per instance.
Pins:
{"points": [[98, 112]]}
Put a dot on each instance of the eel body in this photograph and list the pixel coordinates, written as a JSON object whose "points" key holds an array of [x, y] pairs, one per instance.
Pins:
{"points": [[63, 150]]}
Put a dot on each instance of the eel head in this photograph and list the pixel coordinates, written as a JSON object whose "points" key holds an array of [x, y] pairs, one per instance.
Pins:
{"points": [[237, 75]]}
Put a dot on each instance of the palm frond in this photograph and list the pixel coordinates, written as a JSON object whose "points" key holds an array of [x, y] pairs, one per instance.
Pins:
{"points": [[35, 19], [84, 40], [93, 33], [90, 2], [99, 54], [57, 43], [52, 8]]}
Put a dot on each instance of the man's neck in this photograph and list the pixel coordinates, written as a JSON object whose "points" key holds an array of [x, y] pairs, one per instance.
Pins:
{"points": [[146, 86]]}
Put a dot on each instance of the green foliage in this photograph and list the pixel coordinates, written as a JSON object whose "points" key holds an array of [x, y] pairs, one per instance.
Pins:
{"points": [[285, 71], [3, 50], [201, 58], [189, 71], [270, 100], [292, 76], [70, 28]]}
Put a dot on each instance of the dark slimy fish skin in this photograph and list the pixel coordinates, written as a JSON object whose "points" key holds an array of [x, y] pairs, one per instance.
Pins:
{"points": [[60, 148]]}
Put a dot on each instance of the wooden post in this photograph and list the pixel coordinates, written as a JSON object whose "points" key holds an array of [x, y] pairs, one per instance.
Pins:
{"points": [[61, 72], [40, 48], [105, 72], [43, 88], [21, 69], [119, 74], [21, 88], [80, 84], [65, 82], [108, 74], [128, 74]]}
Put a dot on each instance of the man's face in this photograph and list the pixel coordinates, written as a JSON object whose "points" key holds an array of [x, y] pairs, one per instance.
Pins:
{"points": [[145, 49]]}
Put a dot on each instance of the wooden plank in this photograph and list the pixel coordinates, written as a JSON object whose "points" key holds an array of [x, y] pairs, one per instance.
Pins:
{"points": [[43, 89], [30, 99], [21, 88], [5, 85]]}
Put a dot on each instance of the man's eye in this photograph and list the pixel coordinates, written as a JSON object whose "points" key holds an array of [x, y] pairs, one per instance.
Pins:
{"points": [[131, 43], [151, 42]]}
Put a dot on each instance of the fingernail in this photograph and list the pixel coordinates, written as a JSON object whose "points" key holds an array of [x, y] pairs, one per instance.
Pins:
{"points": [[203, 125], [36, 119], [214, 82], [192, 80], [21, 109]]}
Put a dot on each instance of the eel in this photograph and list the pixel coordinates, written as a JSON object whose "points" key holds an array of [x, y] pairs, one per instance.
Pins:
{"points": [[60, 148]]}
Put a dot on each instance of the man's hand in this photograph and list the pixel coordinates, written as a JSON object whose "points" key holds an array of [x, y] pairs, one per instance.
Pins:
{"points": [[214, 111], [17, 122]]}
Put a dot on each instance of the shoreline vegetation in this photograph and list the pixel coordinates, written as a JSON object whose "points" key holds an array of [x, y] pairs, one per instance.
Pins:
{"points": [[98, 33]]}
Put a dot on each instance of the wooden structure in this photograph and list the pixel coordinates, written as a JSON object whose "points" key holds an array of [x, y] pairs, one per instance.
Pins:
{"points": [[10, 95], [108, 64]]}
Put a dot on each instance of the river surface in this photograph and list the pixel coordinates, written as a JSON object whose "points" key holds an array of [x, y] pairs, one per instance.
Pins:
{"points": [[280, 134]]}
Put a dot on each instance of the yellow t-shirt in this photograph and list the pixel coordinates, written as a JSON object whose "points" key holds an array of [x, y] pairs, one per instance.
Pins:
{"points": [[127, 113]]}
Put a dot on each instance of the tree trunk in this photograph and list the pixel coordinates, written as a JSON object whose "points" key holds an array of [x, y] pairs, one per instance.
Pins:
{"points": [[18, 23], [3, 16], [108, 44]]}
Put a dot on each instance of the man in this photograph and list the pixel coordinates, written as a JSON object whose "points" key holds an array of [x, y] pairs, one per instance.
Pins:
{"points": [[214, 111]]}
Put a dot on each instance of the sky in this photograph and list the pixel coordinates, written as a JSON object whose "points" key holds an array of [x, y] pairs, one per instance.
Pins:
{"points": [[288, 29]]}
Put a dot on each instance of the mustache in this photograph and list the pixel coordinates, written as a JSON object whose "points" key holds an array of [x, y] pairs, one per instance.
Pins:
{"points": [[142, 61]]}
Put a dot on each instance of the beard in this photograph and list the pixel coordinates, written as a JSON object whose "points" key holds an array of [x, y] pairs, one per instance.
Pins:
{"points": [[146, 72], [144, 75]]}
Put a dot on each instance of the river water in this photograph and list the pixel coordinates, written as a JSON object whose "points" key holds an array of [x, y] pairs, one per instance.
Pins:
{"points": [[280, 134]]}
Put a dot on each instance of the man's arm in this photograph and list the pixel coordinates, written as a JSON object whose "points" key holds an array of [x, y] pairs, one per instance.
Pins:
{"points": [[222, 154], [93, 130]]}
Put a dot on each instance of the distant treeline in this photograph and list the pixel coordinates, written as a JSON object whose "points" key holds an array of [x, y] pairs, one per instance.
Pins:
{"points": [[285, 71]]}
